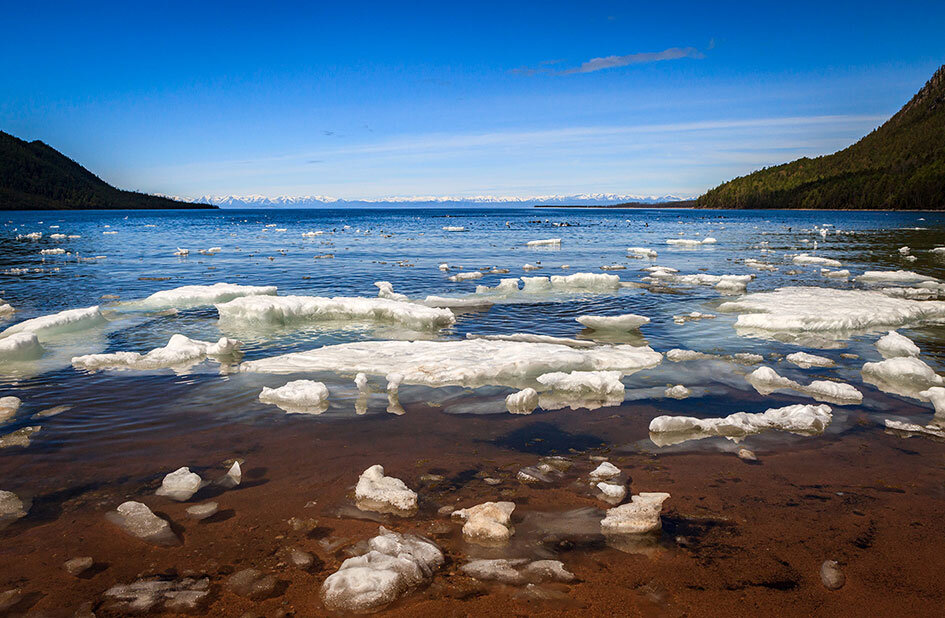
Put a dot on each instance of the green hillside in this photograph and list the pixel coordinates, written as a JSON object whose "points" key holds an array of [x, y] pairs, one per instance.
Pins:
{"points": [[34, 176], [899, 166]]}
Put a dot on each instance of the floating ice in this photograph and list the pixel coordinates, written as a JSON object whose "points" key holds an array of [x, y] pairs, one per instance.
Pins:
{"points": [[56, 251], [180, 353], [20, 347], [488, 523], [20, 437], [904, 375], [797, 419], [933, 430], [298, 397], [529, 267], [180, 485], [523, 402], [813, 259], [12, 508], [543, 243], [882, 276], [691, 242], [639, 516], [454, 228], [8, 407], [612, 493], [64, 322], [199, 295], [892, 345], [835, 274], [6, 310], [642, 252], [158, 593], [596, 384], [394, 565], [936, 395], [806, 361], [692, 316], [531, 338], [385, 289], [678, 355], [604, 472], [677, 392], [766, 380], [137, 520], [810, 309], [471, 363], [466, 276], [517, 571], [627, 321], [233, 476], [384, 494], [288, 310]]}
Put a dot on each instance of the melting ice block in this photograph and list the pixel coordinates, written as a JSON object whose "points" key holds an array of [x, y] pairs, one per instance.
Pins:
{"points": [[488, 523], [8, 407], [137, 520], [798, 419], [603, 384], [806, 361], [180, 353], [394, 565], [294, 310], [470, 363], [62, 323], [604, 472], [199, 295], [627, 321], [806, 309], [384, 494], [523, 402], [639, 516], [12, 508], [298, 397], [813, 259], [892, 345], [677, 392], [547, 242], [904, 375], [766, 380], [20, 347], [883, 276], [180, 485]]}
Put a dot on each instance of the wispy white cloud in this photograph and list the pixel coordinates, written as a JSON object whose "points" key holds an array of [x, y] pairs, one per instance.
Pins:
{"points": [[612, 62]]}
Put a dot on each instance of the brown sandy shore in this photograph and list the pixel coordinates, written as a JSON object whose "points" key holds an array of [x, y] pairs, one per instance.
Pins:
{"points": [[738, 538]]}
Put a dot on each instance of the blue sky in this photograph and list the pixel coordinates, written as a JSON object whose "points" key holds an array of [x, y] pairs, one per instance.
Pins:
{"points": [[367, 100]]}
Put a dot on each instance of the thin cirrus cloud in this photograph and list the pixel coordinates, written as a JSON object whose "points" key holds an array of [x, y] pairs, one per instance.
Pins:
{"points": [[612, 62]]}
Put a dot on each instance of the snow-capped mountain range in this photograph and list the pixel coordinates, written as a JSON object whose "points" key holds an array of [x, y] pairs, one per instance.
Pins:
{"points": [[316, 201]]}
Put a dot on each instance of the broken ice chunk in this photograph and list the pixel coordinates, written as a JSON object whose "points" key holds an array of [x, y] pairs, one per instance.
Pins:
{"points": [[384, 494], [798, 419], [179, 354], [523, 402], [892, 345], [624, 322], [639, 516], [806, 361], [297, 397], [605, 471], [233, 476], [189, 296], [8, 407], [20, 347], [20, 437], [12, 508], [488, 523], [677, 392], [137, 520], [64, 322], [904, 375], [766, 380], [202, 511], [612, 493], [180, 485]]}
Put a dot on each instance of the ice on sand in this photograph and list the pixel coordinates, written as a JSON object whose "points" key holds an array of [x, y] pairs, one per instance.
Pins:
{"points": [[180, 485], [384, 494], [639, 516], [488, 523], [137, 520]]}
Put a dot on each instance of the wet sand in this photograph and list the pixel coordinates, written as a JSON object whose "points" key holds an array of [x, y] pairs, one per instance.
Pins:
{"points": [[738, 538]]}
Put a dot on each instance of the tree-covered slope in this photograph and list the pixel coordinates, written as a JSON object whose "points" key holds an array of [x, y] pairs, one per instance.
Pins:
{"points": [[899, 166], [34, 176]]}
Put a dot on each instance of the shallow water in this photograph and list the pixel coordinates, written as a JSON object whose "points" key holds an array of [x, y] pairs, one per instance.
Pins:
{"points": [[126, 429]]}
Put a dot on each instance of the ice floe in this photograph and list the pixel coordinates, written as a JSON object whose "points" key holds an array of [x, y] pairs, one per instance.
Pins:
{"points": [[547, 242], [678, 355], [813, 259], [893, 345], [883, 276], [766, 380], [179, 354], [639, 516], [20, 347], [522, 402], [691, 242], [189, 296], [488, 523], [466, 276], [8, 407], [798, 419], [806, 361], [384, 494], [296, 310], [641, 252], [470, 362], [394, 565], [180, 485], [903, 375], [139, 521], [628, 321], [297, 397], [605, 385], [62, 323]]}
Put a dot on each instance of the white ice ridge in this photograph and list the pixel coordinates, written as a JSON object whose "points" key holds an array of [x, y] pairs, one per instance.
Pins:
{"points": [[180, 353], [934, 430], [393, 565], [766, 380], [544, 243], [806, 361], [904, 375], [601, 384], [20, 347], [892, 345], [813, 259], [198, 295], [690, 242], [384, 494], [797, 419], [723, 283], [62, 323], [800, 309], [641, 252], [470, 363], [289, 310], [298, 397], [487, 523], [883, 276], [578, 282], [532, 338], [627, 321]]}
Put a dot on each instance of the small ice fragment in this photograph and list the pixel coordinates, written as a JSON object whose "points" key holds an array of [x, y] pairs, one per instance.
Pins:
{"points": [[612, 493], [552, 242], [625, 322], [639, 516], [20, 437], [79, 565], [813, 259], [831, 576], [488, 523], [806, 361], [297, 397], [529, 267], [882, 276], [605, 471], [385, 289], [8, 407], [892, 345], [12, 508], [642, 252], [746, 455], [180, 484], [137, 520], [203, 510], [466, 276], [677, 392], [384, 494], [361, 381], [523, 402], [454, 228]]}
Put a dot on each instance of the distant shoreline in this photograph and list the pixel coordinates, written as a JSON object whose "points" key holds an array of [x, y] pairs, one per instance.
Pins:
{"points": [[679, 204]]}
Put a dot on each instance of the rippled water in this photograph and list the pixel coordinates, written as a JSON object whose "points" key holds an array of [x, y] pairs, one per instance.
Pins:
{"points": [[405, 247]]}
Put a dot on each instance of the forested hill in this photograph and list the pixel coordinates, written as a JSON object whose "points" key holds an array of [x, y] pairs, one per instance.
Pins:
{"points": [[899, 166], [34, 176]]}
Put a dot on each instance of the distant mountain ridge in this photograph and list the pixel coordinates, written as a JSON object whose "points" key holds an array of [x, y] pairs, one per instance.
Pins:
{"points": [[318, 201], [35, 176], [899, 166]]}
